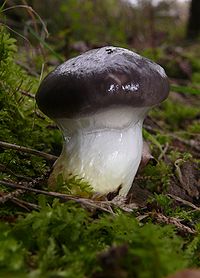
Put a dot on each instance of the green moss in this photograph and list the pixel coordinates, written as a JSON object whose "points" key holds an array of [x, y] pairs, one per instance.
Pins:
{"points": [[74, 186], [164, 203], [12, 253], [194, 127], [64, 241], [157, 176], [18, 122], [176, 115]]}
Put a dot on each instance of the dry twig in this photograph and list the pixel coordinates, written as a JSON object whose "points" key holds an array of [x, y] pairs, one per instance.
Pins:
{"points": [[46, 156], [104, 206], [27, 68], [191, 143], [184, 202], [159, 217], [25, 205], [5, 169], [10, 196], [164, 151], [25, 93]]}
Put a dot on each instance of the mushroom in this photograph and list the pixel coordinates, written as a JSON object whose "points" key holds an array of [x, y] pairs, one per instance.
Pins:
{"points": [[99, 100]]}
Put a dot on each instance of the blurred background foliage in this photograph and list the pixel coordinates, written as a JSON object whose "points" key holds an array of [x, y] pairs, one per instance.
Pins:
{"points": [[98, 22], [156, 29]]}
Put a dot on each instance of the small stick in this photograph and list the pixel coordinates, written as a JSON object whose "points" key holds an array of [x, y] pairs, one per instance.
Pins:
{"points": [[46, 156], [64, 197], [27, 68], [16, 193], [10, 196], [184, 202], [25, 93], [5, 169], [24, 204], [172, 221], [164, 151], [191, 143]]}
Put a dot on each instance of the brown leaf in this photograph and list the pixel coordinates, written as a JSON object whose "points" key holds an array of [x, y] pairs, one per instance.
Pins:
{"points": [[187, 273], [186, 183], [146, 156]]}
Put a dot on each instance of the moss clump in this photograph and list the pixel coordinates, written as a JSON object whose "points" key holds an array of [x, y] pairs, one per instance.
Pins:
{"points": [[19, 123], [177, 116], [74, 186], [64, 241]]}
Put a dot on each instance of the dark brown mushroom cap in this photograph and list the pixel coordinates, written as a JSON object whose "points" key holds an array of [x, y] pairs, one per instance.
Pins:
{"points": [[100, 78]]}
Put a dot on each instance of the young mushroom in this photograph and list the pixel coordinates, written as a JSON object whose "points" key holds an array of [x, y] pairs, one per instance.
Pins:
{"points": [[99, 101]]}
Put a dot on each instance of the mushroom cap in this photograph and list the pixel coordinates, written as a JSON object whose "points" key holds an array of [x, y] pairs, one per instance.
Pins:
{"points": [[100, 78]]}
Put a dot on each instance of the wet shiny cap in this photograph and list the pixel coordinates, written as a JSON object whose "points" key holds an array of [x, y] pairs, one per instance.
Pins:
{"points": [[100, 78]]}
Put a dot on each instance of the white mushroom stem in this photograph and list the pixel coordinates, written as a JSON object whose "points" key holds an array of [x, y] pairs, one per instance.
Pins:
{"points": [[104, 149]]}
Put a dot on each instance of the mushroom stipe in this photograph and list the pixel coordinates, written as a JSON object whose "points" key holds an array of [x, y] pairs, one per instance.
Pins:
{"points": [[99, 101]]}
